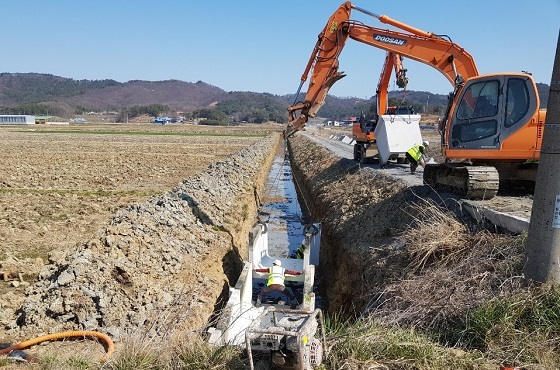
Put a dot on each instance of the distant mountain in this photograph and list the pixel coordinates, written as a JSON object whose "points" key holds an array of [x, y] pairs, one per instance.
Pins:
{"points": [[22, 88], [45, 93], [177, 95], [69, 95]]}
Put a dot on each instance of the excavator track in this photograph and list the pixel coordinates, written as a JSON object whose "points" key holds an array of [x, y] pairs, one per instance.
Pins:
{"points": [[474, 182]]}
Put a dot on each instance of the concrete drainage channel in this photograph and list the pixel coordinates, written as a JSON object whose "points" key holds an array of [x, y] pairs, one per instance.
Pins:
{"points": [[283, 327]]}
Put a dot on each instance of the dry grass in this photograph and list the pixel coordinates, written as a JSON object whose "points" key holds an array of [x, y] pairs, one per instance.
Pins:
{"points": [[434, 236], [446, 270], [367, 345]]}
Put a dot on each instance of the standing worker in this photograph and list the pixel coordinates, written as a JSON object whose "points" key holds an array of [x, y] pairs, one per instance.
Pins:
{"points": [[416, 156], [276, 282]]}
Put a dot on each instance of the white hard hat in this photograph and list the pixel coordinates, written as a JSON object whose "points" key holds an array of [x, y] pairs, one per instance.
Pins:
{"points": [[425, 143], [277, 263]]}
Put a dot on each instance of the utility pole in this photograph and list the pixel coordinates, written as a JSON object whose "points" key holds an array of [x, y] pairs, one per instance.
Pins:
{"points": [[543, 242]]}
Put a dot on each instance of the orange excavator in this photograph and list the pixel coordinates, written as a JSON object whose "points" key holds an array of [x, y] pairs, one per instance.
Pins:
{"points": [[492, 128]]}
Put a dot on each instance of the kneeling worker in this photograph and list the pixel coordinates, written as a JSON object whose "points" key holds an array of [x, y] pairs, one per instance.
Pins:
{"points": [[415, 156], [276, 282]]}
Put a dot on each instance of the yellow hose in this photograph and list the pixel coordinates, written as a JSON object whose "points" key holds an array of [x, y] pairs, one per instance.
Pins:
{"points": [[110, 346]]}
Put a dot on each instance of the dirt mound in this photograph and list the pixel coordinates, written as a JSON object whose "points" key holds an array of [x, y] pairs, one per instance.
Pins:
{"points": [[144, 118], [398, 252], [159, 264]]}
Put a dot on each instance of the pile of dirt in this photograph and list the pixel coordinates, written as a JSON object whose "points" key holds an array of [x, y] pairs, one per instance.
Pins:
{"points": [[144, 118], [157, 266], [398, 252]]}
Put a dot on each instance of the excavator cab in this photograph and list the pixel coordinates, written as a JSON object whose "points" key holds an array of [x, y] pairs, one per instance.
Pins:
{"points": [[494, 122], [490, 112]]}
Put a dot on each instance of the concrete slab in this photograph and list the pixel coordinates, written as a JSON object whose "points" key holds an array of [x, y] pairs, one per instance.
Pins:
{"points": [[507, 221], [346, 139]]}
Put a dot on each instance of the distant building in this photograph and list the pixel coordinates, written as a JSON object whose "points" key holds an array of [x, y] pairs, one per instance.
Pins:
{"points": [[13, 119], [350, 121], [50, 120], [333, 123]]}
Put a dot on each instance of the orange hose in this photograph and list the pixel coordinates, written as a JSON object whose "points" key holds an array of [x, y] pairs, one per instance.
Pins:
{"points": [[110, 346]]}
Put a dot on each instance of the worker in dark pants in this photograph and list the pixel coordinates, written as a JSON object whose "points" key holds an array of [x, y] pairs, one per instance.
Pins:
{"points": [[276, 282], [415, 156]]}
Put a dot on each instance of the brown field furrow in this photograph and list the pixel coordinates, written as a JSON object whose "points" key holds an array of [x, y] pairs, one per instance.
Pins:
{"points": [[58, 188]]}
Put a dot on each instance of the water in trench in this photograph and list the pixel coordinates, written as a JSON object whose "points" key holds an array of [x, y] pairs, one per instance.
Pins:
{"points": [[280, 208], [281, 211]]}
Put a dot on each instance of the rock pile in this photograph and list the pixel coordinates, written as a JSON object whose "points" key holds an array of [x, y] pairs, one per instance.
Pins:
{"points": [[157, 266]]}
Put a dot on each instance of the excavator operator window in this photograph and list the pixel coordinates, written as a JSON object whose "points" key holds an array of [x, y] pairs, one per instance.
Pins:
{"points": [[476, 117], [517, 103], [478, 130], [480, 100]]}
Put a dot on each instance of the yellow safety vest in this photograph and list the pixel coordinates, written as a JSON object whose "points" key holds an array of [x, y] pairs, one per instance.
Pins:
{"points": [[275, 275], [415, 152], [300, 251]]}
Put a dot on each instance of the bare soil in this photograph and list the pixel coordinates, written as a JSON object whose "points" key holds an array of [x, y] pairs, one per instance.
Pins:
{"points": [[61, 185]]}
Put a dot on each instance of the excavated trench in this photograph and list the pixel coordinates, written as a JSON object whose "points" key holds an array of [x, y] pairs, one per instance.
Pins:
{"points": [[364, 214], [356, 213], [165, 265]]}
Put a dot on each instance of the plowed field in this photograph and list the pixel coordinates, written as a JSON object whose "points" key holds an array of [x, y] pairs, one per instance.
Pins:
{"points": [[60, 184]]}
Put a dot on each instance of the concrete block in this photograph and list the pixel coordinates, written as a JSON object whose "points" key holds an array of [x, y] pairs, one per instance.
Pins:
{"points": [[511, 223], [346, 139]]}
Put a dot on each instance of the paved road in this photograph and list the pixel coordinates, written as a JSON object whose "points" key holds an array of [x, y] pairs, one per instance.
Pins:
{"points": [[510, 212]]}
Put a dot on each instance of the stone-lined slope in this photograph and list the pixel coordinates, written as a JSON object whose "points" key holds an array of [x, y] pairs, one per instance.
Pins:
{"points": [[160, 265]]}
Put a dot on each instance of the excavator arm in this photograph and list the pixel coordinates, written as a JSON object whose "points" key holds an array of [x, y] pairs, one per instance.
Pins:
{"points": [[324, 64], [392, 60], [436, 51]]}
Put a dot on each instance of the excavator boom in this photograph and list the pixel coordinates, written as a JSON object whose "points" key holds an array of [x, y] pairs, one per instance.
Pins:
{"points": [[445, 56], [324, 63]]}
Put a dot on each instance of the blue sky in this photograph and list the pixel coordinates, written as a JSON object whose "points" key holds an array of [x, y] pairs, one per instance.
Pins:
{"points": [[261, 46]]}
